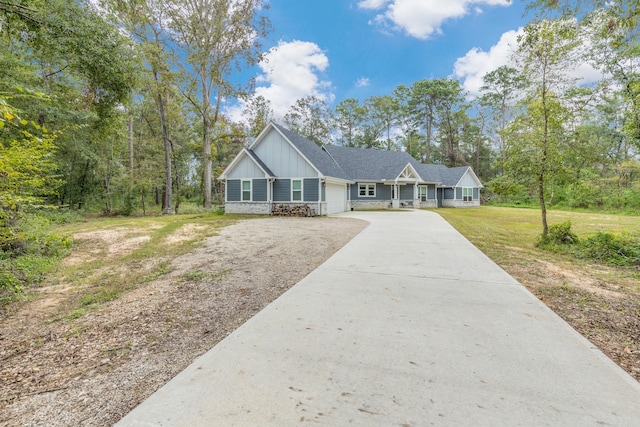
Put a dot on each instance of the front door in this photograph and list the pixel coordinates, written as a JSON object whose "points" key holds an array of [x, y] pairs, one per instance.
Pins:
{"points": [[440, 195]]}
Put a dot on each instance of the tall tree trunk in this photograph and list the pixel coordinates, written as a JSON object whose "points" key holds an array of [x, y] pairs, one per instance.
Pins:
{"points": [[167, 201], [206, 147], [545, 146], [131, 163]]}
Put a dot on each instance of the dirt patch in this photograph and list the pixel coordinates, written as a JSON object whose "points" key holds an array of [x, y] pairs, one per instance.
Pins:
{"points": [[94, 369], [186, 232], [92, 245]]}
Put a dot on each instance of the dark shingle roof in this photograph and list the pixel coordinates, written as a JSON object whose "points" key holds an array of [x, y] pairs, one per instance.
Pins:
{"points": [[430, 173], [451, 176], [255, 157], [359, 164], [363, 164], [316, 155]]}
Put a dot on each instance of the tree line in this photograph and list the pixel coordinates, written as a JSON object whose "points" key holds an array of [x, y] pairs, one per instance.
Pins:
{"points": [[119, 105]]}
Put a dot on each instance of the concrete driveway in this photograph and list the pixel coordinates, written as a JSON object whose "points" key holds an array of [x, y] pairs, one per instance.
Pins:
{"points": [[407, 325]]}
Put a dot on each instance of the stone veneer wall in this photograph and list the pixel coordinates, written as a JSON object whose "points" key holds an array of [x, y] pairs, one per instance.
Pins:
{"points": [[430, 203], [448, 203], [386, 204], [255, 208], [358, 205]]}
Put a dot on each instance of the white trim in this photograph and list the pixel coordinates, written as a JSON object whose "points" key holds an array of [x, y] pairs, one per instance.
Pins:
{"points": [[301, 189], [242, 190], [473, 175], [366, 189], [236, 160], [407, 176], [463, 196], [426, 192], [271, 126]]}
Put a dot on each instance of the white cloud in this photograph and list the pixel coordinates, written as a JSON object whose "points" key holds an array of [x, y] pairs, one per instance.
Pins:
{"points": [[423, 18], [372, 4], [363, 82], [291, 71], [476, 63]]}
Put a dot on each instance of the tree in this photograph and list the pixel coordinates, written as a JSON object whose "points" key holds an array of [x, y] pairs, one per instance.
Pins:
{"points": [[258, 113], [73, 54], [409, 136], [545, 50], [452, 118], [432, 104], [220, 36], [348, 118], [383, 112], [27, 170], [143, 19], [500, 91], [613, 28], [310, 117]]}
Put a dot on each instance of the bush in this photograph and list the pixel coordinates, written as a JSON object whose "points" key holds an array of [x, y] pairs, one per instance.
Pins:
{"points": [[28, 251], [559, 234], [605, 247]]}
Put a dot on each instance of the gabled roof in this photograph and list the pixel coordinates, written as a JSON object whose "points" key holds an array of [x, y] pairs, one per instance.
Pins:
{"points": [[314, 154], [430, 173], [245, 152], [375, 165], [451, 176], [260, 163], [356, 164]]}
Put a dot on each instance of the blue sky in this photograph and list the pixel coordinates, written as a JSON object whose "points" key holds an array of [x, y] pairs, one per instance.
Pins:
{"points": [[336, 49]]}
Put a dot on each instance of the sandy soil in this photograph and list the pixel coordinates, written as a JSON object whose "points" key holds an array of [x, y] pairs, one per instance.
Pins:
{"points": [[94, 369]]}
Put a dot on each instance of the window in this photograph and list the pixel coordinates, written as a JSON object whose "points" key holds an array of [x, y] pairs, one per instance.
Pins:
{"points": [[367, 190], [246, 191], [467, 194], [422, 193], [296, 190]]}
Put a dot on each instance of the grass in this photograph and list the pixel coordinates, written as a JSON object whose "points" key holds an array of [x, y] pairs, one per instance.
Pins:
{"points": [[497, 231], [103, 276]]}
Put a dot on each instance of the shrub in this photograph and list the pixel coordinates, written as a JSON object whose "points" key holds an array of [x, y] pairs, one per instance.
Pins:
{"points": [[28, 251], [605, 247], [559, 234]]}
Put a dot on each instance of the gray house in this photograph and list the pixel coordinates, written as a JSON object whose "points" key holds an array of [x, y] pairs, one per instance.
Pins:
{"points": [[283, 168]]}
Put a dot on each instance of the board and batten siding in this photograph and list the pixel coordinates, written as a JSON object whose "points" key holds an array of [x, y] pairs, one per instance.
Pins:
{"points": [[310, 189], [282, 158], [282, 190], [234, 190], [259, 189], [467, 181], [246, 169]]}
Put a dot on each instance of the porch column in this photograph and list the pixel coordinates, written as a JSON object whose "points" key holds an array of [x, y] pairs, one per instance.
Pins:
{"points": [[395, 203]]}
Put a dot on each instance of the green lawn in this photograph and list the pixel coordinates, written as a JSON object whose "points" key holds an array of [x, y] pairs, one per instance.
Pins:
{"points": [[505, 233]]}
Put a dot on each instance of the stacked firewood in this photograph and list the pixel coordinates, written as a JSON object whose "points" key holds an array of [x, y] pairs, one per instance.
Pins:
{"points": [[291, 210]]}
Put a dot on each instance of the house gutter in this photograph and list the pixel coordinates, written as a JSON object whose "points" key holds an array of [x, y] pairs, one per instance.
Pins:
{"points": [[323, 182], [271, 181]]}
